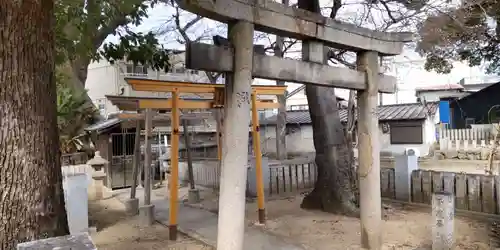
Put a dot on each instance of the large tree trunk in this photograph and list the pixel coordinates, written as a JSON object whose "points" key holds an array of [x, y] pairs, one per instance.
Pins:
{"points": [[335, 187], [334, 190], [31, 196]]}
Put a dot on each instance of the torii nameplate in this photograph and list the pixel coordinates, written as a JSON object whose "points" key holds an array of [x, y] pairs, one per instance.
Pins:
{"points": [[272, 17]]}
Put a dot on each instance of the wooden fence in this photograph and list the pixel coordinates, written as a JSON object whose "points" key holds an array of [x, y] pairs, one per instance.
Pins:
{"points": [[287, 177], [473, 192], [470, 134], [291, 178]]}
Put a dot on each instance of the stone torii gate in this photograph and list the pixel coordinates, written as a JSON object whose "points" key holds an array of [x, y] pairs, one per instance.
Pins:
{"points": [[241, 64]]}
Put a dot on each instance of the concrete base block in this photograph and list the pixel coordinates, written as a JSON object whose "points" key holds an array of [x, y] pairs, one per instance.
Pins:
{"points": [[194, 195], [132, 206], [147, 215]]}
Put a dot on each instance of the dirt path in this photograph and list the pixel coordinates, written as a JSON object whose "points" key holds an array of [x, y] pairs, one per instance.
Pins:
{"points": [[403, 228], [116, 231]]}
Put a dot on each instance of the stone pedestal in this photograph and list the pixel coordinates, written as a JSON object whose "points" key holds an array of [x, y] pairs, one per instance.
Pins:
{"points": [[147, 215], [194, 195], [404, 166], [132, 206], [443, 213], [73, 242]]}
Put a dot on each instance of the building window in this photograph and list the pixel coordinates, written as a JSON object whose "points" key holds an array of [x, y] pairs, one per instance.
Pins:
{"points": [[406, 133], [136, 69]]}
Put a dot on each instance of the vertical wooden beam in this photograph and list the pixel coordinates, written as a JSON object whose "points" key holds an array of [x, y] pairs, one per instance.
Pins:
{"points": [[147, 158], [258, 160], [174, 159], [231, 223], [369, 154]]}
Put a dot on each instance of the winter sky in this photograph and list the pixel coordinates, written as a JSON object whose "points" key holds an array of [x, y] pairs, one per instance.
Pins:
{"points": [[408, 67]]}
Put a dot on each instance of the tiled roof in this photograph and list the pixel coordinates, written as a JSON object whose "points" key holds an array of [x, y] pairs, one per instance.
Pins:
{"points": [[407, 111], [102, 125]]}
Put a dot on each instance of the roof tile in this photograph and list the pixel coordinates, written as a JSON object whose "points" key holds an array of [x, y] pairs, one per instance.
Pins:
{"points": [[407, 111]]}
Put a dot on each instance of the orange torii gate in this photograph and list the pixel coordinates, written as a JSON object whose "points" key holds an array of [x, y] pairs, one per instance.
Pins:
{"points": [[175, 103]]}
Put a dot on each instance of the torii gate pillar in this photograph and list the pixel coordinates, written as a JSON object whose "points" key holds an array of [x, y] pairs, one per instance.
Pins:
{"points": [[369, 154], [233, 177]]}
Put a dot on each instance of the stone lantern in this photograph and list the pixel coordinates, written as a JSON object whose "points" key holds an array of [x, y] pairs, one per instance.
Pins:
{"points": [[97, 163]]}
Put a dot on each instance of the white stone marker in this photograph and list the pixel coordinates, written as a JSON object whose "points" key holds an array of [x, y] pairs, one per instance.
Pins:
{"points": [[450, 145], [443, 213], [457, 144], [466, 145], [483, 143], [443, 144]]}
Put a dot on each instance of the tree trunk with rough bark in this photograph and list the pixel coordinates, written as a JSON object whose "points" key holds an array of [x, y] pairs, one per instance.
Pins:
{"points": [[335, 187], [31, 195]]}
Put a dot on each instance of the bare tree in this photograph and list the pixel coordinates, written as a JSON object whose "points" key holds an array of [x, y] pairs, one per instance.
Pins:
{"points": [[336, 187]]}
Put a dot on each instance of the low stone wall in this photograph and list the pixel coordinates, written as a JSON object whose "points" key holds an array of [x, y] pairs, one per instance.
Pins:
{"points": [[482, 153]]}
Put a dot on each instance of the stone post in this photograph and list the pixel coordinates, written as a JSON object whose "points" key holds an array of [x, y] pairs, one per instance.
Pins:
{"points": [[193, 193], [97, 163], [369, 153], [281, 153], [146, 211], [75, 186], [443, 213], [231, 222], [443, 144], [252, 181], [466, 145], [132, 204], [405, 165], [457, 145], [449, 146], [81, 241]]}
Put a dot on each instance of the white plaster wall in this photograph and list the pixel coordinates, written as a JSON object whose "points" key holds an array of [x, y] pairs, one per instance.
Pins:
{"points": [[428, 136], [433, 96], [106, 79], [296, 143], [301, 142], [102, 79], [297, 99]]}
